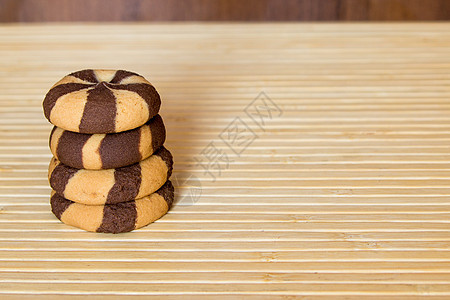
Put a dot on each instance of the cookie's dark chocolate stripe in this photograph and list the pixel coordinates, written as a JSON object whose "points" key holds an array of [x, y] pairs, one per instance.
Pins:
{"points": [[166, 156], [158, 132], [86, 75], [167, 192], [120, 217], [146, 91], [124, 145], [60, 177], [69, 151], [121, 75], [58, 91], [127, 184], [100, 111], [59, 205]]}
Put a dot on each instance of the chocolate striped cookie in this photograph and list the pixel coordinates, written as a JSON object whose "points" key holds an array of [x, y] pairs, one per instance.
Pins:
{"points": [[114, 218], [110, 186], [107, 151], [101, 101]]}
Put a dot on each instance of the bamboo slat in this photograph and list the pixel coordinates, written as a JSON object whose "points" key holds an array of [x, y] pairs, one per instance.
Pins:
{"points": [[342, 192]]}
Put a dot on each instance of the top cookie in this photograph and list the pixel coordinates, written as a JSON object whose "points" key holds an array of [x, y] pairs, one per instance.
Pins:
{"points": [[101, 101]]}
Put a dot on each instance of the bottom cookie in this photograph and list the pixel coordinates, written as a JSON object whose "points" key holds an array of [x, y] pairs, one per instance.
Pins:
{"points": [[114, 218]]}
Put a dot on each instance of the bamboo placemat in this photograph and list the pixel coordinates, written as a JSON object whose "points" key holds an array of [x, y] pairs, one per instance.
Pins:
{"points": [[310, 160]]}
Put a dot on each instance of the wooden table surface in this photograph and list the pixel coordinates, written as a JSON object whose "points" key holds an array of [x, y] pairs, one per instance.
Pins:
{"points": [[310, 160]]}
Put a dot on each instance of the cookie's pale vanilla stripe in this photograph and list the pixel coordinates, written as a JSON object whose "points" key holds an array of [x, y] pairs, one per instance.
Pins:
{"points": [[70, 79], [90, 152], [132, 112], [104, 75], [151, 170], [114, 218], [83, 216], [157, 139], [55, 136], [101, 101], [69, 108], [149, 209], [133, 79], [87, 186], [106, 151], [96, 187]]}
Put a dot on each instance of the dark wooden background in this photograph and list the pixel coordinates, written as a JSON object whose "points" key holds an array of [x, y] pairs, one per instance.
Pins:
{"points": [[223, 10]]}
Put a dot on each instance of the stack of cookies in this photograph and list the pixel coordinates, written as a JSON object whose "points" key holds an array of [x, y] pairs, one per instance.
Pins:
{"points": [[110, 169]]}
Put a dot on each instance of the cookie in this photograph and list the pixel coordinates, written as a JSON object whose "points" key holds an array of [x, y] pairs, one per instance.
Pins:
{"points": [[107, 151], [110, 186], [114, 218], [101, 101]]}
